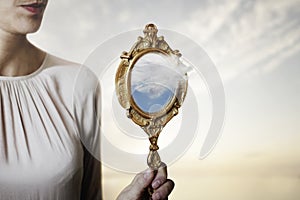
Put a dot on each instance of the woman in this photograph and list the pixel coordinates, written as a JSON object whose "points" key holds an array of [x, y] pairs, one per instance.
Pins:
{"points": [[41, 125]]}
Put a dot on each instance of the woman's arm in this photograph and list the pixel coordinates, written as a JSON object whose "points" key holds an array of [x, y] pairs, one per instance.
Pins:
{"points": [[91, 181]]}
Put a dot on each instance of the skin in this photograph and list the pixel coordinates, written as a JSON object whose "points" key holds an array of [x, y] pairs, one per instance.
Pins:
{"points": [[137, 190], [19, 57]]}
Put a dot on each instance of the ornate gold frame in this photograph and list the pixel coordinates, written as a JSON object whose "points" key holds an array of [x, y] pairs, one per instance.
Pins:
{"points": [[151, 123]]}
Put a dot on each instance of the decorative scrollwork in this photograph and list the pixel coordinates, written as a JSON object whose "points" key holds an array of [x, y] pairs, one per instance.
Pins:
{"points": [[150, 40], [152, 124]]}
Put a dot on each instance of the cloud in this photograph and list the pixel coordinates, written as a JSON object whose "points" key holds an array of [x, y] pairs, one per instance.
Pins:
{"points": [[154, 81], [244, 35]]}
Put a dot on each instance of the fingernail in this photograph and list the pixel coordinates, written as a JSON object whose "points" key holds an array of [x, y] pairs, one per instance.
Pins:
{"points": [[156, 184]]}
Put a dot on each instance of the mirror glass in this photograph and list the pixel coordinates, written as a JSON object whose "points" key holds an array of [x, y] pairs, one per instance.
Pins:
{"points": [[154, 81]]}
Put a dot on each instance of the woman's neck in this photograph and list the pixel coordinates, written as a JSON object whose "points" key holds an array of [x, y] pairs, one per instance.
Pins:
{"points": [[18, 56]]}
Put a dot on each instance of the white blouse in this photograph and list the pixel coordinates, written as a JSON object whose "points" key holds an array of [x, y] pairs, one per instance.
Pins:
{"points": [[45, 117]]}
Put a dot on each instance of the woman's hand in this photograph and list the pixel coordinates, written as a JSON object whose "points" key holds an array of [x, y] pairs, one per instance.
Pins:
{"points": [[137, 190]]}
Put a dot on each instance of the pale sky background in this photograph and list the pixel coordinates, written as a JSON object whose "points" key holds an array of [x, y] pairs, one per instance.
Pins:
{"points": [[255, 45]]}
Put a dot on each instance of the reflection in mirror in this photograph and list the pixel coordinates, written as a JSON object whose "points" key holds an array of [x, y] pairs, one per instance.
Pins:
{"points": [[152, 97], [154, 81]]}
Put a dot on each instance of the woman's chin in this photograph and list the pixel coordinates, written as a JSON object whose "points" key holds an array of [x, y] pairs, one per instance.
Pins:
{"points": [[27, 28]]}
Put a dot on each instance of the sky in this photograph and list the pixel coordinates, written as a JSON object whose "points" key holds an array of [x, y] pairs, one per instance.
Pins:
{"points": [[255, 45]]}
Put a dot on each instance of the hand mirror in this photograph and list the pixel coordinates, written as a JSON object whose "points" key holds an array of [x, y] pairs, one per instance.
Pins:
{"points": [[151, 84]]}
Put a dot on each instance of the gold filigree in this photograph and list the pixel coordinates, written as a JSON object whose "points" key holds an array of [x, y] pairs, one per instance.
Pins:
{"points": [[151, 123]]}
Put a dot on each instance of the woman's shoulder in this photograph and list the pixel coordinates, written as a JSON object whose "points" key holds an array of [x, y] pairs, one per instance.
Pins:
{"points": [[54, 63], [65, 70], [70, 76]]}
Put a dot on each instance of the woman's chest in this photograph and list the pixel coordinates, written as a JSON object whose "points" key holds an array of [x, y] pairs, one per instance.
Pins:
{"points": [[38, 140]]}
